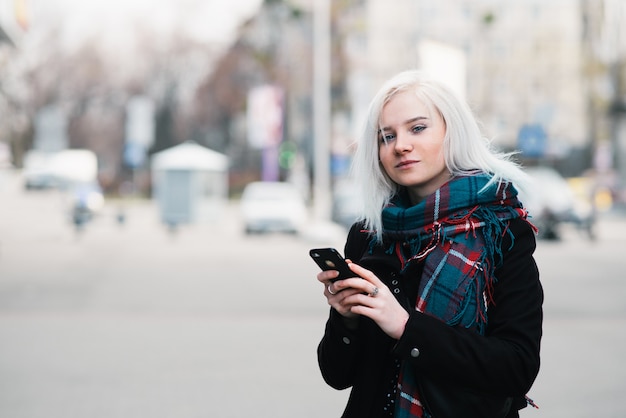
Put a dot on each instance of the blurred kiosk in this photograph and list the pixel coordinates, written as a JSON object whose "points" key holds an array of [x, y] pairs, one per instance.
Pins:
{"points": [[190, 183]]}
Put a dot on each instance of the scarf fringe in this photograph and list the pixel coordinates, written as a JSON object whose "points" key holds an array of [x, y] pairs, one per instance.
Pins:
{"points": [[485, 223]]}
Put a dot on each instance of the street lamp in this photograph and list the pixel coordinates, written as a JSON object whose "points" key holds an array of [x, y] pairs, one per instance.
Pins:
{"points": [[321, 109]]}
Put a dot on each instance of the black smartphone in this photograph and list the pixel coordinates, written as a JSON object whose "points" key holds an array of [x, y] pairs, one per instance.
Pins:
{"points": [[330, 259]]}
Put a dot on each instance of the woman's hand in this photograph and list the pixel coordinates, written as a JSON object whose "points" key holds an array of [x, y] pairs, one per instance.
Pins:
{"points": [[336, 297], [365, 295]]}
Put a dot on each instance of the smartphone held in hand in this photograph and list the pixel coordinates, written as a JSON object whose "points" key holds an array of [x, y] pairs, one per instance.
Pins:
{"points": [[331, 259]]}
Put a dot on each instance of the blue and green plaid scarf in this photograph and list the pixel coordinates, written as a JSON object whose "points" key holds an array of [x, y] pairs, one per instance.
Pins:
{"points": [[457, 232]]}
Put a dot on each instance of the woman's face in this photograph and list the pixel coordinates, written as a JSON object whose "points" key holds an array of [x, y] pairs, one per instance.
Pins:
{"points": [[411, 145]]}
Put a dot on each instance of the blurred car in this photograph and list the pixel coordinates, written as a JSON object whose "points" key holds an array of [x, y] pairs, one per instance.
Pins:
{"points": [[38, 172], [272, 207], [551, 202]]}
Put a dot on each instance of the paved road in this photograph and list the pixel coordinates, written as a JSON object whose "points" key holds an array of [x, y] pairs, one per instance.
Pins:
{"points": [[132, 321]]}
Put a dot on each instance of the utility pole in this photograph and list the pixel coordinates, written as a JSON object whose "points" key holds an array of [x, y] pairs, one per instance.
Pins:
{"points": [[321, 110]]}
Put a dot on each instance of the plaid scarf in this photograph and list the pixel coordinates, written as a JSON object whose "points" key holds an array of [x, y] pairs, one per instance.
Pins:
{"points": [[457, 232]]}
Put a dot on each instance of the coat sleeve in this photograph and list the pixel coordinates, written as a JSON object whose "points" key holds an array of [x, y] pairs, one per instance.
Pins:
{"points": [[505, 361], [338, 352]]}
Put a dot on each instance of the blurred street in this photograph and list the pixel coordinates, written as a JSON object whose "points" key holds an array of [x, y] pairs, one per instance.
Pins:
{"points": [[133, 320]]}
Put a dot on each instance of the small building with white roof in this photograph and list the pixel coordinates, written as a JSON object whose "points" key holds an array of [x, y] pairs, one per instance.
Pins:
{"points": [[189, 183]]}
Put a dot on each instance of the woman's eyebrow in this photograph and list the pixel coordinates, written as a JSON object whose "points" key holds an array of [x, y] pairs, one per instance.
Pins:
{"points": [[416, 119], [412, 120]]}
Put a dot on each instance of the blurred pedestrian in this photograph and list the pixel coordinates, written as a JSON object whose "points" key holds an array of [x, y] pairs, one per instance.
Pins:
{"points": [[445, 318], [81, 213]]}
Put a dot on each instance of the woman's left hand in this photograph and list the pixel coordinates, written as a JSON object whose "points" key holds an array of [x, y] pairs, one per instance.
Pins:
{"points": [[375, 301]]}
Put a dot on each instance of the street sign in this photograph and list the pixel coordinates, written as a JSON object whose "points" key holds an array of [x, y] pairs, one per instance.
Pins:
{"points": [[134, 154], [532, 140]]}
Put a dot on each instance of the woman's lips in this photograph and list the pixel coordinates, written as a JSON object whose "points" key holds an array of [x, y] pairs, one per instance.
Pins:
{"points": [[406, 164]]}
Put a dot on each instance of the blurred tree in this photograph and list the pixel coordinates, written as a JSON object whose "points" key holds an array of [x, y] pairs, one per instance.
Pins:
{"points": [[92, 85], [199, 90], [274, 47]]}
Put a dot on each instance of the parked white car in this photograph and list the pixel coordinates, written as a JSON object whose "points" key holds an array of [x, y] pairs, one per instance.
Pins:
{"points": [[272, 207]]}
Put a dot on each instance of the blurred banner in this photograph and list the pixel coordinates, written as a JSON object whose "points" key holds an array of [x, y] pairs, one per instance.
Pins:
{"points": [[51, 129], [446, 63], [265, 116], [265, 126], [139, 130]]}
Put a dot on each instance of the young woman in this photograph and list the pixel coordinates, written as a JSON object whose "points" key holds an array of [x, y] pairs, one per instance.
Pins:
{"points": [[444, 315]]}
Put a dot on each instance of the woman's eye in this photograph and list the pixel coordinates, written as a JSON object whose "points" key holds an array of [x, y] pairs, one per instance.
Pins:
{"points": [[417, 129], [386, 138]]}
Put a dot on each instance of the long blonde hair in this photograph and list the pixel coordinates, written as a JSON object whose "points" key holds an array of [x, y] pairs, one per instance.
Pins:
{"points": [[465, 148]]}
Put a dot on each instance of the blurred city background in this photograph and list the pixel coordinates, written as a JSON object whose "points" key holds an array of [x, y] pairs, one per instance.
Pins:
{"points": [[166, 165]]}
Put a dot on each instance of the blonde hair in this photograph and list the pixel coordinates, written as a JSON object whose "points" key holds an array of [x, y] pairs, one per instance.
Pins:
{"points": [[465, 148]]}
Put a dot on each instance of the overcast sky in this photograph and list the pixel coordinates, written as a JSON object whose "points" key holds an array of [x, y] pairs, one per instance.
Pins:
{"points": [[206, 20]]}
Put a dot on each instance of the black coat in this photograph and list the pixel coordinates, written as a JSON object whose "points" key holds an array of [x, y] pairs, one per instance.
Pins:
{"points": [[501, 365]]}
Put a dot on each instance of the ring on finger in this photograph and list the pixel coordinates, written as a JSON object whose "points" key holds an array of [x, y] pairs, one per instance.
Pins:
{"points": [[374, 292], [330, 291]]}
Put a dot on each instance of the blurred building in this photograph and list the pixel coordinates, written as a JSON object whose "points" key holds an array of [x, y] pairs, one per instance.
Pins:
{"points": [[546, 74], [273, 49], [518, 63], [190, 184], [604, 46], [529, 68]]}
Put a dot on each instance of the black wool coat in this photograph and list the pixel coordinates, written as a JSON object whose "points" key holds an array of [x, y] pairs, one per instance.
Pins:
{"points": [[500, 365]]}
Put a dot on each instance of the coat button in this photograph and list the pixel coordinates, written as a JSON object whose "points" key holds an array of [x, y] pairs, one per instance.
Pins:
{"points": [[415, 352], [346, 340]]}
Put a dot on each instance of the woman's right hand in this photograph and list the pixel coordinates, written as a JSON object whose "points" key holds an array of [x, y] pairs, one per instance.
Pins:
{"points": [[336, 298], [365, 294]]}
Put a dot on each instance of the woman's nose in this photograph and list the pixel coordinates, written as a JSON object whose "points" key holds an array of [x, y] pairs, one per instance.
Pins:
{"points": [[403, 144]]}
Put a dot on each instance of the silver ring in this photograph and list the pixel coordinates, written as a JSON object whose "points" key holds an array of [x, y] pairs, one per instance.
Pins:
{"points": [[374, 292], [330, 291]]}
